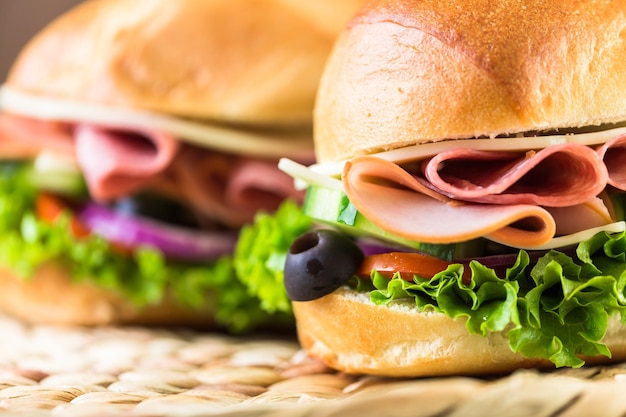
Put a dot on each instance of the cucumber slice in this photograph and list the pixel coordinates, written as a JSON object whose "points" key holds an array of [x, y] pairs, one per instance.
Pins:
{"points": [[333, 207]]}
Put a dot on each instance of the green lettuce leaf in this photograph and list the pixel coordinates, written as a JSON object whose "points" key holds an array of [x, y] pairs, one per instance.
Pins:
{"points": [[26, 242], [261, 252], [557, 309]]}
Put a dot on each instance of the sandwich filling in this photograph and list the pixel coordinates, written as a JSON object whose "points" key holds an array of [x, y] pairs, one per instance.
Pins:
{"points": [[132, 189], [542, 192], [524, 237]]}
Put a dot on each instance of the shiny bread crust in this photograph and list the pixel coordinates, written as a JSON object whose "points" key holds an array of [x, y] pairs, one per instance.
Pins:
{"points": [[407, 72], [232, 61], [348, 332]]}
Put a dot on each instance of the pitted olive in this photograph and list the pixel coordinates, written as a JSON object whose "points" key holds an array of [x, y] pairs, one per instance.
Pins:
{"points": [[318, 263]]}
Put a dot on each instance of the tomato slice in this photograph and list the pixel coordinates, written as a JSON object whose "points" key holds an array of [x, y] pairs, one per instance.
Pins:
{"points": [[49, 207], [406, 263]]}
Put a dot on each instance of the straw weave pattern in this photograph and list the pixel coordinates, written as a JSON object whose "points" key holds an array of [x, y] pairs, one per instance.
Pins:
{"points": [[137, 372]]}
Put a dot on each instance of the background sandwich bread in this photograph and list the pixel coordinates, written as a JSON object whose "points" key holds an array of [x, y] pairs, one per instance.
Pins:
{"points": [[120, 109]]}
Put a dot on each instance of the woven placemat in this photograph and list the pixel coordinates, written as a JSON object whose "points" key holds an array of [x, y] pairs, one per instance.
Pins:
{"points": [[60, 371]]}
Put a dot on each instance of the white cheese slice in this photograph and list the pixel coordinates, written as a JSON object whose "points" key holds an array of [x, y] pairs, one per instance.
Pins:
{"points": [[416, 152], [273, 143], [304, 176], [574, 238]]}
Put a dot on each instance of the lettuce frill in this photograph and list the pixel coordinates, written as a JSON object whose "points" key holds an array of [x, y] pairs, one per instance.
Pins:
{"points": [[261, 253], [557, 309]]}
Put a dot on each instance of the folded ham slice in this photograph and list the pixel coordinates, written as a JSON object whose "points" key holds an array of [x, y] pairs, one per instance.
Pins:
{"points": [[22, 137], [257, 183], [231, 188], [613, 153], [573, 219], [558, 176], [408, 205], [116, 162], [396, 201]]}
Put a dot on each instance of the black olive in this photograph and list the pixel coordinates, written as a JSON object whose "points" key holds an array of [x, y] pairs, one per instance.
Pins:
{"points": [[157, 208], [318, 263]]}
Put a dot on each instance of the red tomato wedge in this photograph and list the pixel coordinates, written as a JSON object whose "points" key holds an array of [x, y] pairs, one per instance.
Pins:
{"points": [[48, 207], [406, 263]]}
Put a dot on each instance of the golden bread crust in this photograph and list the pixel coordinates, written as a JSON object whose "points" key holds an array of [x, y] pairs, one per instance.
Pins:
{"points": [[50, 297], [238, 61], [409, 72], [349, 333]]}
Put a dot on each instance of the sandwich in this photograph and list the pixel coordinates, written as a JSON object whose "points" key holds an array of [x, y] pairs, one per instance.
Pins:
{"points": [[136, 138], [466, 209]]}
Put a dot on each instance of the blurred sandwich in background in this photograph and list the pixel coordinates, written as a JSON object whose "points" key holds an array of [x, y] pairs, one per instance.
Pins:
{"points": [[136, 138]]}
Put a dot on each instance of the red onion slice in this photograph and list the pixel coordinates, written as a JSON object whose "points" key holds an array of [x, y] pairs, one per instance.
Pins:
{"points": [[373, 247], [173, 242], [508, 259]]}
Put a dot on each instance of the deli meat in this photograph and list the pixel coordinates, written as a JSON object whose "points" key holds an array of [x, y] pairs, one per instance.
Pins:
{"points": [[22, 137], [117, 162], [408, 205], [613, 153], [393, 199], [558, 176], [233, 188], [591, 213], [254, 181]]}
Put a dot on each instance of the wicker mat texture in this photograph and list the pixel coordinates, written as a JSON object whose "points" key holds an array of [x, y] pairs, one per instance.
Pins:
{"points": [[59, 371]]}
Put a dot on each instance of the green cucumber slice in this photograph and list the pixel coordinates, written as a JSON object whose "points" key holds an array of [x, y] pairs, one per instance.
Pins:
{"points": [[333, 207]]}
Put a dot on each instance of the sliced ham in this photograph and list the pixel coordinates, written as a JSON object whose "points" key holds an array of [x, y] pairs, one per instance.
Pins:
{"points": [[201, 179], [573, 219], [256, 184], [22, 137], [613, 153], [397, 202], [116, 163], [233, 187], [558, 176], [226, 188]]}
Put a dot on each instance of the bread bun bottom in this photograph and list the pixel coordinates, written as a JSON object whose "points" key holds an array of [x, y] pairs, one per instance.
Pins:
{"points": [[349, 333], [50, 297]]}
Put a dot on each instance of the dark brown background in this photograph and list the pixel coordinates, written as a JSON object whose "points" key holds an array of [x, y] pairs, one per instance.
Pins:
{"points": [[20, 20]]}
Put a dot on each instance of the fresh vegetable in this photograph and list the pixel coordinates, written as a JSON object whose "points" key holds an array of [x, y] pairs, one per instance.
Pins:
{"points": [[174, 242], [319, 262], [127, 232], [57, 173], [261, 253], [27, 240], [49, 207], [405, 263], [557, 308]]}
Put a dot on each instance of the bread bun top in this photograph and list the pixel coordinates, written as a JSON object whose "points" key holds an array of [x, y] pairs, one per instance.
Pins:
{"points": [[406, 72], [234, 61]]}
